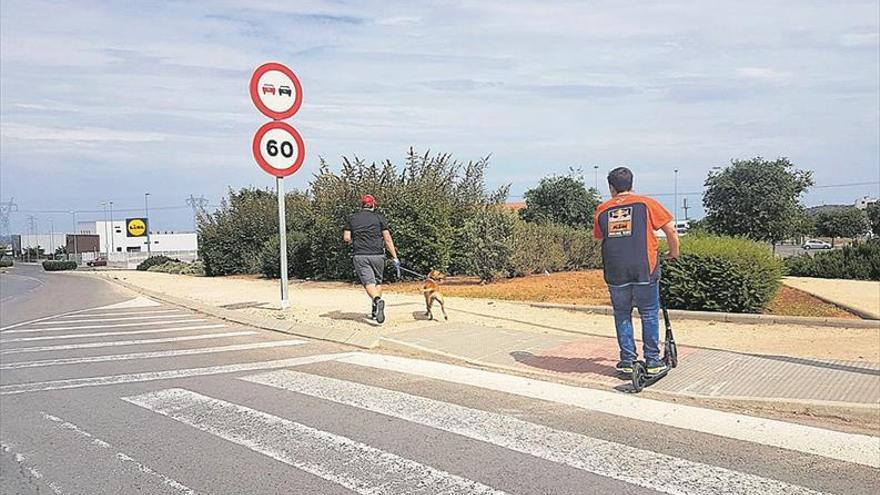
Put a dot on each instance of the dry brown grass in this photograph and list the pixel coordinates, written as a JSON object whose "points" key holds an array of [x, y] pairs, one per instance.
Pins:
{"points": [[588, 288]]}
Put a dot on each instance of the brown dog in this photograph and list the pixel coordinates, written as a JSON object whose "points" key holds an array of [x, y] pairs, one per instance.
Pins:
{"points": [[431, 290]]}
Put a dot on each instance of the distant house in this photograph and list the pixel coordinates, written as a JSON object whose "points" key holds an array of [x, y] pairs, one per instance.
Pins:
{"points": [[864, 201], [516, 206]]}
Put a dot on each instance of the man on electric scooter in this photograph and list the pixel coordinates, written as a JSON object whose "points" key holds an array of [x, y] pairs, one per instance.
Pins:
{"points": [[626, 224]]}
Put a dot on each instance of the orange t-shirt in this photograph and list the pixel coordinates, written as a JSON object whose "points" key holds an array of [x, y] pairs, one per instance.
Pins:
{"points": [[626, 225]]}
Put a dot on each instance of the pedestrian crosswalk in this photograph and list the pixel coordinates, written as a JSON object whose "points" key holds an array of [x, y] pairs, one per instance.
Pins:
{"points": [[252, 390]]}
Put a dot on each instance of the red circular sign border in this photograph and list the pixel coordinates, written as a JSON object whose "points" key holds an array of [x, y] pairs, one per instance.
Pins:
{"points": [[255, 95], [300, 147]]}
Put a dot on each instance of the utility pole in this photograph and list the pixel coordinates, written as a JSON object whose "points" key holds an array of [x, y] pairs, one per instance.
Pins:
{"points": [[675, 214], [32, 228], [685, 207], [147, 218], [197, 205]]}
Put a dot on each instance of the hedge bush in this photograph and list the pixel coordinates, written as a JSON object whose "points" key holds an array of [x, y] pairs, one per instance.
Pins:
{"points": [[297, 256], [154, 261], [721, 274], [6, 263], [54, 266], [858, 261], [195, 268], [550, 247]]}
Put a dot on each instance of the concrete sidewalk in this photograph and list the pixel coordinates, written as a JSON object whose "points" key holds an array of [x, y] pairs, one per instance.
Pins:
{"points": [[702, 373]]}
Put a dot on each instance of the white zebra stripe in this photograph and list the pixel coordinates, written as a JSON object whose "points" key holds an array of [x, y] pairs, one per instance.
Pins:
{"points": [[655, 471], [341, 460], [118, 343]]}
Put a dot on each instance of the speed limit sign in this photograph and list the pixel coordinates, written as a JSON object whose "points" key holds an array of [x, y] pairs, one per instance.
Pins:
{"points": [[279, 149]]}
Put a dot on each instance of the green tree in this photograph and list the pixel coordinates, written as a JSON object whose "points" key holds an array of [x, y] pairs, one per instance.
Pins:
{"points": [[757, 198], [873, 212], [561, 199], [842, 222]]}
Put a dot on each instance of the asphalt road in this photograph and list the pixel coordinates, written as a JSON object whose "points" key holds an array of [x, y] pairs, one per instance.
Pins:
{"points": [[110, 393]]}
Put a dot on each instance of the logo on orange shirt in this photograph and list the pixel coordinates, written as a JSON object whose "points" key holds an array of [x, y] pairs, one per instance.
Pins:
{"points": [[620, 222]]}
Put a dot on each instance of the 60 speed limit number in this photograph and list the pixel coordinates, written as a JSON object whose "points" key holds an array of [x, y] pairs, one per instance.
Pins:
{"points": [[279, 149]]}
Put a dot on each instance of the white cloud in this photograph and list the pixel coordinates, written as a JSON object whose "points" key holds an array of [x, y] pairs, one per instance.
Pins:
{"points": [[77, 135]]}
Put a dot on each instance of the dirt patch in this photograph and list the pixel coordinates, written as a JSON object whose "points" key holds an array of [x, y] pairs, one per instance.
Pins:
{"points": [[588, 288], [794, 302]]}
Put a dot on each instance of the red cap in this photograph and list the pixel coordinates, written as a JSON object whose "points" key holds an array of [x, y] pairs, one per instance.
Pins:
{"points": [[368, 201]]}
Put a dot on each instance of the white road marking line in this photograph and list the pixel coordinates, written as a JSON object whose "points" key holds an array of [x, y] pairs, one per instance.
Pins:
{"points": [[335, 458], [122, 318], [846, 447], [111, 334], [135, 302], [25, 465], [121, 456], [151, 355], [118, 343], [150, 376], [152, 312], [655, 471], [91, 327]]}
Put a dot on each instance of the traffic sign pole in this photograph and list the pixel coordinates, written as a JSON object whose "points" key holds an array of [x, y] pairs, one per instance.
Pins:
{"points": [[282, 242], [277, 147]]}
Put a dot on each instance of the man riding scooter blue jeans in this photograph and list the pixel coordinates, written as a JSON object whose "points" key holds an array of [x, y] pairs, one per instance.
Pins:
{"points": [[626, 224]]}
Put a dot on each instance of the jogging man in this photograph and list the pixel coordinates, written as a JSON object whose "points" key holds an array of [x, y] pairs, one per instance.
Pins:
{"points": [[369, 235], [626, 224]]}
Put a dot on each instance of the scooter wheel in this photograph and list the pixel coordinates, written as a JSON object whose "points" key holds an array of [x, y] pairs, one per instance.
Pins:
{"points": [[672, 354], [639, 376]]}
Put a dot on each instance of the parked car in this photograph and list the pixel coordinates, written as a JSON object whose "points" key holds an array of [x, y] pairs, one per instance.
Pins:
{"points": [[268, 88], [285, 90], [816, 244], [97, 262]]}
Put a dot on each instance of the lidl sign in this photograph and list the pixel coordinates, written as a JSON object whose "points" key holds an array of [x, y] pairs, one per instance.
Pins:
{"points": [[135, 227]]}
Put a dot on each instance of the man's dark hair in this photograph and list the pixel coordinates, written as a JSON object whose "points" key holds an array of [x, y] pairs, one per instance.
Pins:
{"points": [[621, 179]]}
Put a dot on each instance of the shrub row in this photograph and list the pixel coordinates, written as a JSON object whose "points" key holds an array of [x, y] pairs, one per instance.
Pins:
{"points": [[54, 266], [179, 268], [154, 261], [721, 274], [858, 261]]}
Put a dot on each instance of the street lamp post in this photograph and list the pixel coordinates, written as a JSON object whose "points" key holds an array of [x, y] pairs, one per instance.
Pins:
{"points": [[52, 237], [106, 235], [596, 172], [112, 231], [675, 214], [75, 250], [147, 218]]}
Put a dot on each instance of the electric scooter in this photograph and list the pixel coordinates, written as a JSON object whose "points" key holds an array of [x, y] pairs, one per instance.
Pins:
{"points": [[640, 377]]}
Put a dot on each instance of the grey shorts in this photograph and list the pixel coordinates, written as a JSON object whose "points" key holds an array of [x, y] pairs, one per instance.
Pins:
{"points": [[369, 268]]}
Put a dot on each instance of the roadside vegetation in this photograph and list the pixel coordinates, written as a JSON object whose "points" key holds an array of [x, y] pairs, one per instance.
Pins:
{"points": [[445, 217], [55, 266], [858, 261]]}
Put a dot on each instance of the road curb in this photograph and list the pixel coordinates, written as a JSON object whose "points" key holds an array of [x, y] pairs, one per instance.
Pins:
{"points": [[364, 339], [832, 409], [729, 317]]}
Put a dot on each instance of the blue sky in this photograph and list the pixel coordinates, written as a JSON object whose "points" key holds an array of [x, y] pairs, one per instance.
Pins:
{"points": [[106, 100]]}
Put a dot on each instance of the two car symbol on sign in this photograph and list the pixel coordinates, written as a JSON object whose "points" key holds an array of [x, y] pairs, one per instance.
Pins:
{"points": [[282, 90]]}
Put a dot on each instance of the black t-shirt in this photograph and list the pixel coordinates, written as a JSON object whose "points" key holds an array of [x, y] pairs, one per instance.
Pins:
{"points": [[366, 232]]}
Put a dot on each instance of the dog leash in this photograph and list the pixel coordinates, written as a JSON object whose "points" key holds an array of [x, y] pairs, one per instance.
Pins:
{"points": [[406, 270]]}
